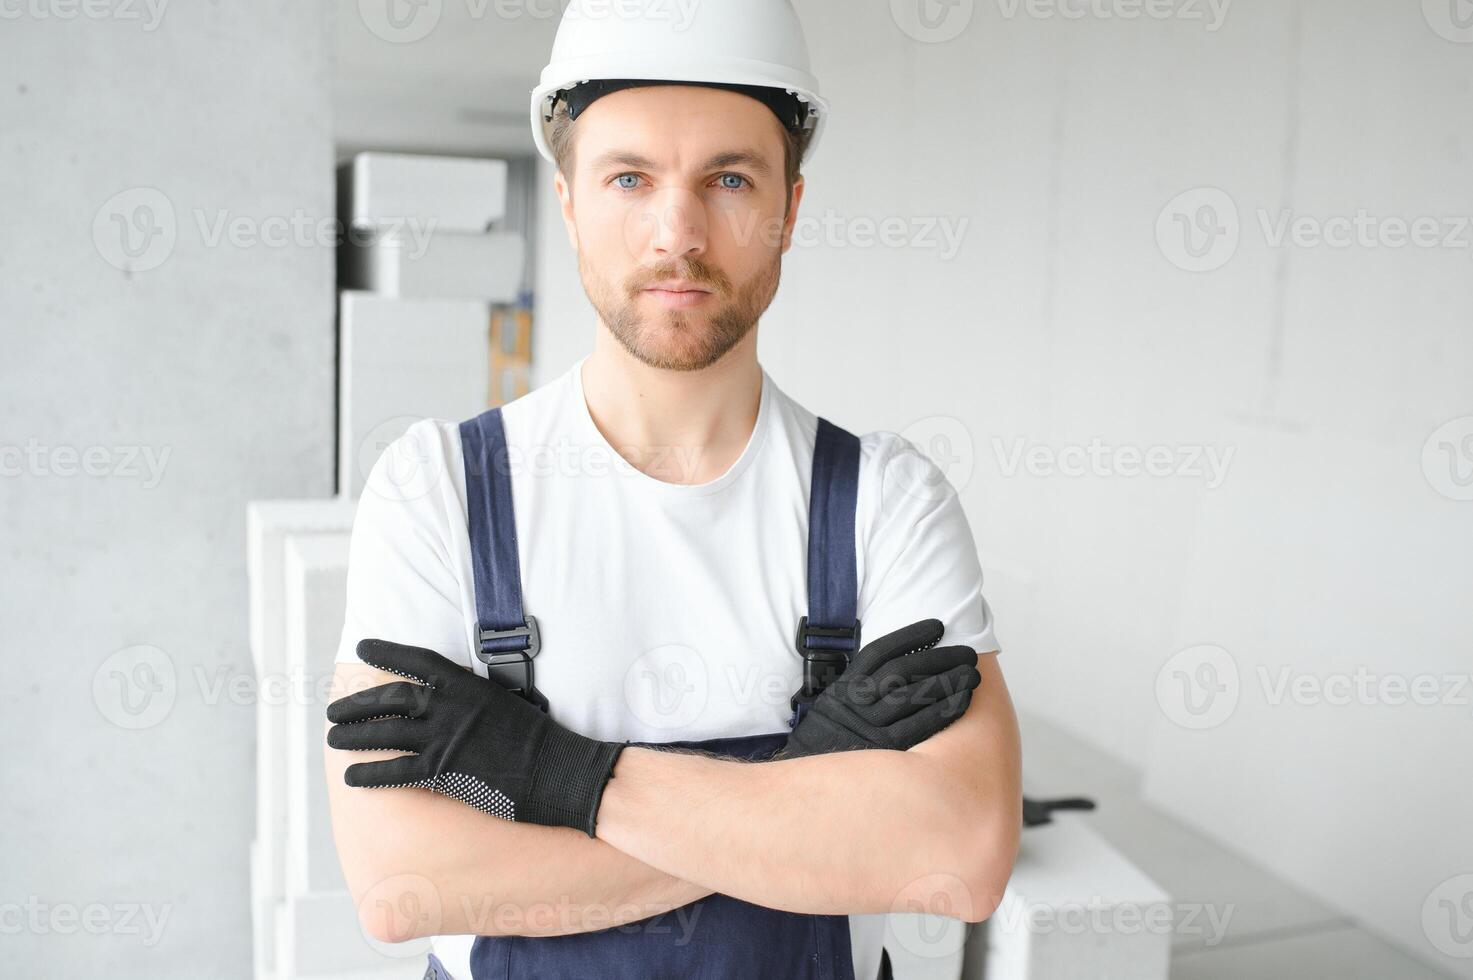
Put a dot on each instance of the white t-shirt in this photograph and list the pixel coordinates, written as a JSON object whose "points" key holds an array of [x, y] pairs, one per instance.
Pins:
{"points": [[667, 611]]}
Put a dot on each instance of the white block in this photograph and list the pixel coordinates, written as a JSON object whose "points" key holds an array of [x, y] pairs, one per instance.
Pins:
{"points": [[925, 947], [321, 939], [442, 193], [269, 524], [401, 361], [263, 920], [1075, 909], [316, 600], [418, 264]]}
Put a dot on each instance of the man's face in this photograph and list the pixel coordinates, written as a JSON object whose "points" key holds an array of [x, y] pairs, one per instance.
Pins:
{"points": [[685, 183]]}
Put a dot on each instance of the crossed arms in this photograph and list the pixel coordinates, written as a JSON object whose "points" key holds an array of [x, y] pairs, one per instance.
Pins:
{"points": [[932, 829]]}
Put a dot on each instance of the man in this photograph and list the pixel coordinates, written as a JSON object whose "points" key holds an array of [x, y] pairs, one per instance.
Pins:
{"points": [[667, 590]]}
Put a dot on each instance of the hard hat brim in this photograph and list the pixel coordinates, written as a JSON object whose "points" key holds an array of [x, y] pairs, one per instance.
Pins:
{"points": [[733, 70]]}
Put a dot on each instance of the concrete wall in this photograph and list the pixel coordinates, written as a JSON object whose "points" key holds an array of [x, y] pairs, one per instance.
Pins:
{"points": [[1071, 156], [148, 392]]}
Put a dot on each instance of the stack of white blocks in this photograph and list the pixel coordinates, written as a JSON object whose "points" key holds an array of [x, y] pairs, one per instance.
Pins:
{"points": [[304, 922], [414, 344], [420, 271]]}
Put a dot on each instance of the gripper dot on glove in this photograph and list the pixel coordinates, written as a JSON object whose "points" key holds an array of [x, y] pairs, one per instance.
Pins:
{"points": [[470, 790]]}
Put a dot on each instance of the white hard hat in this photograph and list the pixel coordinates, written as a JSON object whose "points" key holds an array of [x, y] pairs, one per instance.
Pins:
{"points": [[726, 43]]}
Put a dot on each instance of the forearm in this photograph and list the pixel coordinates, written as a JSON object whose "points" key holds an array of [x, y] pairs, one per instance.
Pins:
{"points": [[482, 875], [474, 873], [851, 832]]}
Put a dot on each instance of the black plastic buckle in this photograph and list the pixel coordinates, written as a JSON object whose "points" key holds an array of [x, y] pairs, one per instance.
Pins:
{"points": [[512, 669], [822, 666], [529, 630]]}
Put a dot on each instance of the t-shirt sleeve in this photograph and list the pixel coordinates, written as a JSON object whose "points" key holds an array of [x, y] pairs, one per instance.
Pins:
{"points": [[920, 559], [401, 584]]}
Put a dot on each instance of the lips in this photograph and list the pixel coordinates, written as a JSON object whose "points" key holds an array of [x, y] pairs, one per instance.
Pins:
{"points": [[678, 297]]}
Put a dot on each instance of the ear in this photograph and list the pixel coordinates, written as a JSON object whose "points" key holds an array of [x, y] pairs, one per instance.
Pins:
{"points": [[565, 201], [792, 214]]}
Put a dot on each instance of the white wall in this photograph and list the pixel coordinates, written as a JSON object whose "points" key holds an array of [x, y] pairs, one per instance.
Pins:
{"points": [[1064, 319], [127, 794]]}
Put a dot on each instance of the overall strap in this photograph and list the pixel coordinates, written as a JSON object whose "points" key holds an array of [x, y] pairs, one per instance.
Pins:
{"points": [[508, 638], [829, 635]]}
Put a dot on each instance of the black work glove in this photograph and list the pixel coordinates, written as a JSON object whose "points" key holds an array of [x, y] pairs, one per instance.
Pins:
{"points": [[476, 741], [897, 692]]}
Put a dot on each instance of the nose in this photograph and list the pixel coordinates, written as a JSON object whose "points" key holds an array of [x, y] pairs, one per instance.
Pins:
{"points": [[675, 221]]}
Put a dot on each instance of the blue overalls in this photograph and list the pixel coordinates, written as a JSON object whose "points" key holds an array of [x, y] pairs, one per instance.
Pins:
{"points": [[717, 937]]}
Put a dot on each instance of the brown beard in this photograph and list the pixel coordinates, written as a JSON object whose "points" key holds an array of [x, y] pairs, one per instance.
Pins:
{"points": [[683, 340]]}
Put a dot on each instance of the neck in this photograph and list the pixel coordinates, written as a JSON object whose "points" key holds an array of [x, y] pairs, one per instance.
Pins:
{"points": [[675, 426]]}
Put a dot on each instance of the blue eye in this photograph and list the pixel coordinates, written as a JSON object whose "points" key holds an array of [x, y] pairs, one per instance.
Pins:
{"points": [[743, 182]]}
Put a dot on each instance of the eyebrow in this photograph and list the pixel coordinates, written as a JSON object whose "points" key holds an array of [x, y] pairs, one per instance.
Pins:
{"points": [[731, 158]]}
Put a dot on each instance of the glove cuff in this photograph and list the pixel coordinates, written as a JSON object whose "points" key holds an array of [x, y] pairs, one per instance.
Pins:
{"points": [[571, 772]]}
